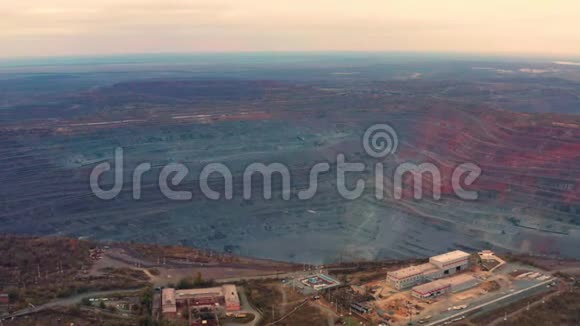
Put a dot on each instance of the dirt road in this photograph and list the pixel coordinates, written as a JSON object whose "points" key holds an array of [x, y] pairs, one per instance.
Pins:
{"points": [[66, 302]]}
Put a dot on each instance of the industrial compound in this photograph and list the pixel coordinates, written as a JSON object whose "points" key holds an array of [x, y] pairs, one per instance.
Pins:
{"points": [[200, 306], [438, 267]]}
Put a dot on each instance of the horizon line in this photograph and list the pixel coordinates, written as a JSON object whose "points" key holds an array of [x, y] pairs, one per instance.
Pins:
{"points": [[296, 52]]}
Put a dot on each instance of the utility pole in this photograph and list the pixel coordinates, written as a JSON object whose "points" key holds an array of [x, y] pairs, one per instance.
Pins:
{"points": [[188, 312]]}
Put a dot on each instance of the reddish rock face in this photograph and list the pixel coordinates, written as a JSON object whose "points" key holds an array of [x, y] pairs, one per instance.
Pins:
{"points": [[537, 156]]}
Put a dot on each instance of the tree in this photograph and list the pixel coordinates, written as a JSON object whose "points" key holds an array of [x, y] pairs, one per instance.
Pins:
{"points": [[147, 299], [198, 279]]}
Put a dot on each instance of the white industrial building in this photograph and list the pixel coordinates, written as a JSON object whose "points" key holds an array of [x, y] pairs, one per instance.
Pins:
{"points": [[438, 267], [411, 276], [451, 262]]}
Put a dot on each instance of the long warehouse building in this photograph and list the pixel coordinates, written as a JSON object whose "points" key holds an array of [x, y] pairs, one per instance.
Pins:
{"points": [[452, 284]]}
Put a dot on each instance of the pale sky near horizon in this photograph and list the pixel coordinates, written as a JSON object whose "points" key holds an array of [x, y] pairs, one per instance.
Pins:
{"points": [[78, 27]]}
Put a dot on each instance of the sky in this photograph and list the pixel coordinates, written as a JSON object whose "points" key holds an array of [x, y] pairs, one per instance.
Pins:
{"points": [[89, 27]]}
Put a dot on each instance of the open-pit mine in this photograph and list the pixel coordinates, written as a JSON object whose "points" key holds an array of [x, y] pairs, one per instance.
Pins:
{"points": [[520, 128]]}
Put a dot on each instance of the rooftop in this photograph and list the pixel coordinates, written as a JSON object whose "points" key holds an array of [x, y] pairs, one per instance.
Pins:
{"points": [[168, 300], [443, 283], [451, 256], [231, 294], [413, 270], [215, 291], [168, 296]]}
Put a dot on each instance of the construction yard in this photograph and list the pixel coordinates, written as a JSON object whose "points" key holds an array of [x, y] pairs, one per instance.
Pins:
{"points": [[509, 281]]}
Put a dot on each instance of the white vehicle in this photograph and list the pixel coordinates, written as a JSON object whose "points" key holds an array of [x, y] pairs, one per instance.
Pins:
{"points": [[521, 276], [461, 307], [543, 278], [424, 320]]}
